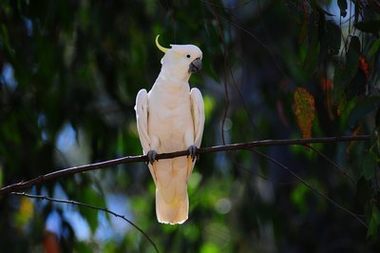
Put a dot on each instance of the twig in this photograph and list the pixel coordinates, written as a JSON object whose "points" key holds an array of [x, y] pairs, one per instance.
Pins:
{"points": [[311, 188], [143, 158], [341, 170], [76, 203]]}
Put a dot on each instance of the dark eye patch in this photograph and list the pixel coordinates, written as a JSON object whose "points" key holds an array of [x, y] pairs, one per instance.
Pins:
{"points": [[188, 56]]}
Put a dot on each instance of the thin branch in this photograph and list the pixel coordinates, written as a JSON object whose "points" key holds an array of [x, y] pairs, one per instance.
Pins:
{"points": [[312, 189], [341, 170], [76, 203], [143, 158]]}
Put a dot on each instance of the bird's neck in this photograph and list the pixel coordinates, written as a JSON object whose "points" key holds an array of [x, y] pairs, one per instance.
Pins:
{"points": [[175, 74], [171, 84]]}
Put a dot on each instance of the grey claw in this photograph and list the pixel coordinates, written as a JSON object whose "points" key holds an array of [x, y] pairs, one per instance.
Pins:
{"points": [[193, 152], [151, 156]]}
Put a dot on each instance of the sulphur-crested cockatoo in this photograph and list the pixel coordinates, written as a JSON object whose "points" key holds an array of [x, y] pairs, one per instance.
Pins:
{"points": [[170, 117]]}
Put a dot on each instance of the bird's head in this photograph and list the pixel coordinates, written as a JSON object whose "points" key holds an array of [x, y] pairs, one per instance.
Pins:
{"points": [[180, 60]]}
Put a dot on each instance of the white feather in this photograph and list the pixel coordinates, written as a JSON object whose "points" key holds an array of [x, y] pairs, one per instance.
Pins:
{"points": [[171, 118]]}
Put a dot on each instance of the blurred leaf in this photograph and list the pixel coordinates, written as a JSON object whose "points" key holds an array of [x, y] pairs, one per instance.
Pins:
{"points": [[344, 111], [363, 66], [343, 7], [348, 77], [374, 223], [304, 109], [192, 232], [352, 56], [326, 84], [82, 247], [374, 48], [362, 108], [363, 190], [5, 39], [298, 197], [311, 59], [369, 166], [110, 247], [331, 39], [209, 248], [369, 26], [209, 104], [194, 181], [89, 196], [51, 243], [25, 212]]}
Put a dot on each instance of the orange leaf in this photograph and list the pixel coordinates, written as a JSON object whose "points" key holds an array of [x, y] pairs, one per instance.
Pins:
{"points": [[363, 66], [304, 109], [326, 84], [50, 242]]}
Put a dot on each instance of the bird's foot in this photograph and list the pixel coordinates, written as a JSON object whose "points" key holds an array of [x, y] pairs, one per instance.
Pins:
{"points": [[193, 152], [151, 156]]}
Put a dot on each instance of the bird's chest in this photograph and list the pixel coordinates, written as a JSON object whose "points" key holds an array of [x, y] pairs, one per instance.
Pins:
{"points": [[169, 115]]}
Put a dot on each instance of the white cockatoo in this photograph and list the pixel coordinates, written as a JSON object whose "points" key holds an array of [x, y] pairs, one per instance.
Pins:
{"points": [[170, 117]]}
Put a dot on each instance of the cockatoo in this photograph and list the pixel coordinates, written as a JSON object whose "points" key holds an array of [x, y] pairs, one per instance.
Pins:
{"points": [[170, 117]]}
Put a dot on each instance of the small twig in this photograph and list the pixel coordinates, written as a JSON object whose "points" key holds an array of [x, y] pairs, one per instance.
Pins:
{"points": [[311, 188], [341, 170], [143, 158], [76, 203]]}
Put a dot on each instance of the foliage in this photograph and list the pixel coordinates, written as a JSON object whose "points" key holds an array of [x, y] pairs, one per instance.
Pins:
{"points": [[304, 109], [69, 74]]}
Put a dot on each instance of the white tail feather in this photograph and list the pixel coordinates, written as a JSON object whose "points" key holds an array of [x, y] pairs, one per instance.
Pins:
{"points": [[172, 213]]}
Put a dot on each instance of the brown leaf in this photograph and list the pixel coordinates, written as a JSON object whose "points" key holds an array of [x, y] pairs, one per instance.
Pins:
{"points": [[50, 242], [326, 84], [304, 109], [363, 66]]}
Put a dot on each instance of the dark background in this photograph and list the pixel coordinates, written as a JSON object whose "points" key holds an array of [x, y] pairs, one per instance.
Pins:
{"points": [[69, 74]]}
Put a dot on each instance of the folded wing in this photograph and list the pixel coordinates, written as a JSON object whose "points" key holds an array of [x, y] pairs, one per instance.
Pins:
{"points": [[141, 109], [197, 110]]}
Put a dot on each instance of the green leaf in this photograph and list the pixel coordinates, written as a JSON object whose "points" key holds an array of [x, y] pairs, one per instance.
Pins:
{"points": [[374, 223], [209, 106], [298, 197], [369, 26], [91, 197], [369, 166], [362, 108], [374, 48], [82, 247], [210, 248], [4, 39]]}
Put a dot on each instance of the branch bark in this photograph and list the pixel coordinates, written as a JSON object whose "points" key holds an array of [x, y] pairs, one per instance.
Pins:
{"points": [[143, 158]]}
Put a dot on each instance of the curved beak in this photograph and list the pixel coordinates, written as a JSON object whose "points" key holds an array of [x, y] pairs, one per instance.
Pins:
{"points": [[195, 65]]}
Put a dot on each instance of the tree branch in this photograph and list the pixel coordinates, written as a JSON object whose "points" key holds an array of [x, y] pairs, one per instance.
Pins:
{"points": [[76, 203], [312, 189], [143, 158]]}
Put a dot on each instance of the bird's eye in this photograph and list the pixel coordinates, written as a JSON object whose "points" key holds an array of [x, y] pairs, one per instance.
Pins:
{"points": [[188, 56]]}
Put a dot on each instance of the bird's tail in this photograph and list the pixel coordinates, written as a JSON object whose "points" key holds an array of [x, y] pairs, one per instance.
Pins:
{"points": [[174, 212]]}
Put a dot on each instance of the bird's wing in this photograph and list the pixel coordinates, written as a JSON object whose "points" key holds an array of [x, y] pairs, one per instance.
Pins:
{"points": [[198, 113], [141, 109]]}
